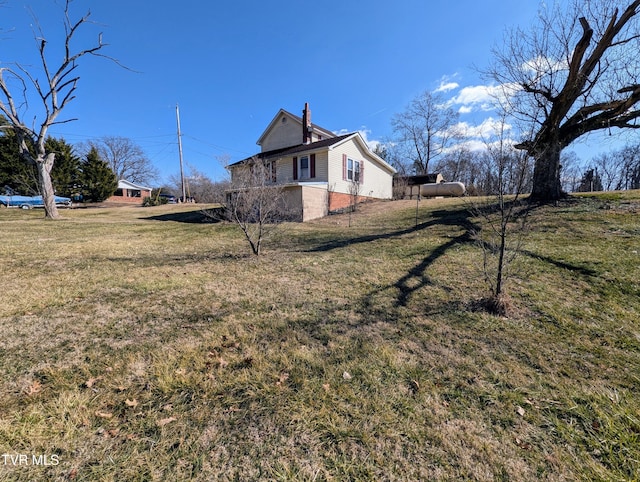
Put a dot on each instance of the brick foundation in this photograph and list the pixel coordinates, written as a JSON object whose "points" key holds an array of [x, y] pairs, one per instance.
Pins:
{"points": [[339, 200]]}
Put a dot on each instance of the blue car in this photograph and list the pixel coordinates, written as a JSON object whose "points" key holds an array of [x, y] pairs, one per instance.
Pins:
{"points": [[28, 202]]}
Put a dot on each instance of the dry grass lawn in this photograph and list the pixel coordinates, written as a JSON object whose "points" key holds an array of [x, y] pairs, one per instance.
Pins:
{"points": [[140, 344]]}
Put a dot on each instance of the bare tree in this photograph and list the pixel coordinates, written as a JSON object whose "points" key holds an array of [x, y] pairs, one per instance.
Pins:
{"points": [[631, 167], [55, 90], [619, 169], [354, 195], [571, 171], [126, 159], [576, 72], [200, 187], [425, 129], [255, 203], [455, 163], [610, 168], [502, 218]]}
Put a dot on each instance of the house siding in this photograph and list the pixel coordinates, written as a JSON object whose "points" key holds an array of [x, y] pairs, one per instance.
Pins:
{"points": [[283, 134], [284, 167], [284, 170], [377, 181], [288, 133]]}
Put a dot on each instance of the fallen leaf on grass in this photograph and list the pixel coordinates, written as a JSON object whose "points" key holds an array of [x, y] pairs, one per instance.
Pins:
{"points": [[33, 388], [346, 376], [104, 415], [131, 403], [414, 385], [89, 383], [520, 411], [283, 378], [165, 421]]}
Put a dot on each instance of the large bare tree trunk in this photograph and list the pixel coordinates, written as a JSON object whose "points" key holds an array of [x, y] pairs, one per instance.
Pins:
{"points": [[546, 175], [45, 164]]}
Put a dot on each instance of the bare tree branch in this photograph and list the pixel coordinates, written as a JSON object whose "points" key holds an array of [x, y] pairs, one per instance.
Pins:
{"points": [[255, 203]]}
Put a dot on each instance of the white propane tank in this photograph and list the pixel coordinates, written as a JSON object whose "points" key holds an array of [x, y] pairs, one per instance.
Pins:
{"points": [[442, 189]]}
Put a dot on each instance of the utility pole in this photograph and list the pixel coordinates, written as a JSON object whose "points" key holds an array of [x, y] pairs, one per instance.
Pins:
{"points": [[184, 191]]}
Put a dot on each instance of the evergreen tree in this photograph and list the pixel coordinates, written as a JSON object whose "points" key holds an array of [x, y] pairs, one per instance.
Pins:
{"points": [[590, 181], [65, 174], [15, 172], [98, 180]]}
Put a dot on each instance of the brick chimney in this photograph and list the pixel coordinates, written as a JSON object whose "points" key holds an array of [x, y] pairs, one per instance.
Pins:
{"points": [[306, 124]]}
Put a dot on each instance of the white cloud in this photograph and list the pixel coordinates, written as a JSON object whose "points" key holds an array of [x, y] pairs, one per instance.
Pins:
{"points": [[477, 136], [473, 145], [447, 83], [482, 97], [476, 97], [446, 87], [541, 66], [364, 132], [487, 128]]}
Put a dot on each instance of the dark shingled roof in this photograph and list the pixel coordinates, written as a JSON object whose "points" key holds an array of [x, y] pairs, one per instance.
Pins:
{"points": [[286, 151]]}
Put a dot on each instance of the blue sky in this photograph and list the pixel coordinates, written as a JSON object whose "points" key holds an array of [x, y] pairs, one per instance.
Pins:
{"points": [[231, 65]]}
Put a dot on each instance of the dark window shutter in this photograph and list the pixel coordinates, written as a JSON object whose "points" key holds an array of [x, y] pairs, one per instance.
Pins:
{"points": [[295, 168], [361, 172], [344, 167], [312, 167]]}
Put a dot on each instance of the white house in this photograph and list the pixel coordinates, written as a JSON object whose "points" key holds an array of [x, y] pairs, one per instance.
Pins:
{"points": [[320, 171]]}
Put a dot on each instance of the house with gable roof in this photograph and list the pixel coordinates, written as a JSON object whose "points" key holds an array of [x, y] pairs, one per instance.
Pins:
{"points": [[129, 192], [319, 170]]}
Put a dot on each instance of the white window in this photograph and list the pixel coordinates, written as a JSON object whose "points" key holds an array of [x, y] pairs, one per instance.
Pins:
{"points": [[353, 170], [270, 171], [304, 167]]}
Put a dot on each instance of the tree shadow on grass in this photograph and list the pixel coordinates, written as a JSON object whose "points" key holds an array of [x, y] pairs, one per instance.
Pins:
{"points": [[439, 218], [198, 216], [581, 270], [416, 278]]}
